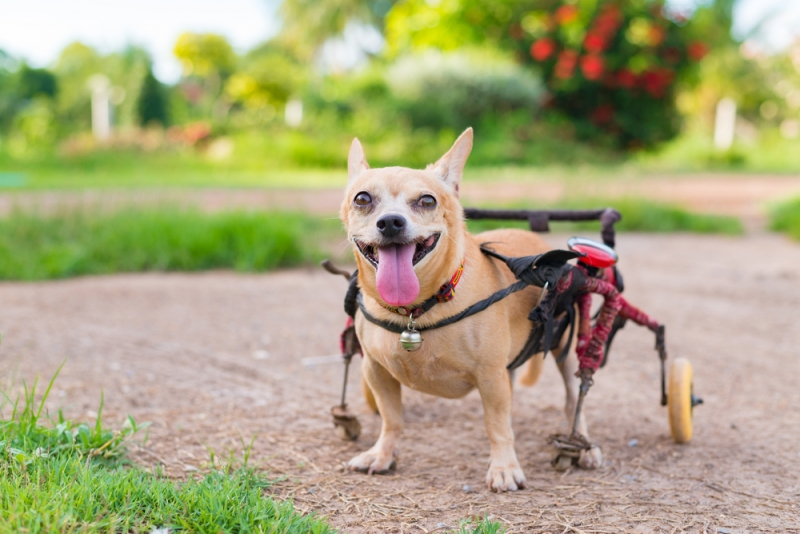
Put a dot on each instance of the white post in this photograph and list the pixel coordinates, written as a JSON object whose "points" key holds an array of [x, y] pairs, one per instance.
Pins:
{"points": [[293, 114], [725, 124], [101, 106]]}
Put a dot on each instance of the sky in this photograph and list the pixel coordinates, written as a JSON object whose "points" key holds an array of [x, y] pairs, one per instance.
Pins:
{"points": [[37, 30]]}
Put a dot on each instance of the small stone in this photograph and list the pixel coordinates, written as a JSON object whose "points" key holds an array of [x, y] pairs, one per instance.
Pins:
{"points": [[466, 488], [733, 426], [440, 525], [723, 530], [261, 355], [634, 442]]}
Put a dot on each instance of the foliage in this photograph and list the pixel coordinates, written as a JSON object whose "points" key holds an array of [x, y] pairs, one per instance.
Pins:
{"points": [[151, 105], [460, 89], [785, 217], [307, 24], [268, 76], [32, 83], [541, 81], [77, 64], [206, 54], [613, 69], [84, 241], [610, 65]]}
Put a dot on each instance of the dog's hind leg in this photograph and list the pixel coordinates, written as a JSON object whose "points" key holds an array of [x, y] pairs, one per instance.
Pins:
{"points": [[505, 473], [593, 458], [387, 391]]}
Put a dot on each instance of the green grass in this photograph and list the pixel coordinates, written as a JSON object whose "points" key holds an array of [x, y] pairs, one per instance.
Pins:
{"points": [[785, 217], [91, 241], [637, 216], [57, 476], [66, 494], [29, 435], [131, 169], [85, 241]]}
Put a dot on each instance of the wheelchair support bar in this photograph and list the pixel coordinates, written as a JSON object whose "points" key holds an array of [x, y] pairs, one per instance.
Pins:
{"points": [[539, 220]]}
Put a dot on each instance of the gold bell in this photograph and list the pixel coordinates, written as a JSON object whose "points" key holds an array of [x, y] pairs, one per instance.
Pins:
{"points": [[411, 340]]}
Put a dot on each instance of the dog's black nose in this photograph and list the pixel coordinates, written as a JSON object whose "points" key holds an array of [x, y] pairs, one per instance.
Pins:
{"points": [[392, 224]]}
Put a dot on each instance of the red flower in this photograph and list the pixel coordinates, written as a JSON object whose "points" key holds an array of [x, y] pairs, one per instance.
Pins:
{"points": [[567, 60], [543, 49], [656, 81], [592, 67], [566, 14], [602, 114], [594, 43], [626, 78], [608, 20], [697, 50]]}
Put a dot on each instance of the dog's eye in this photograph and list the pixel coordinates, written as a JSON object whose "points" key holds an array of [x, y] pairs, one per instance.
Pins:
{"points": [[362, 199], [426, 201]]}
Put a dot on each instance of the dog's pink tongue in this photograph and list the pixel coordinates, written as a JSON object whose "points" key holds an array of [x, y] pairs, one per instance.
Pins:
{"points": [[396, 281]]}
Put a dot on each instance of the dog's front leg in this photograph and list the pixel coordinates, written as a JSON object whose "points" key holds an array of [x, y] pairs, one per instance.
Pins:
{"points": [[387, 391], [504, 473]]}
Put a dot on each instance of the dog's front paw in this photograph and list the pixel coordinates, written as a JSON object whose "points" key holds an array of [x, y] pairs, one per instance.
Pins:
{"points": [[591, 459], [373, 462], [505, 477]]}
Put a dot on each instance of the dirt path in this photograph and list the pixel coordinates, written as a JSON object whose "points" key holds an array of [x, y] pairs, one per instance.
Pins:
{"points": [[215, 358]]}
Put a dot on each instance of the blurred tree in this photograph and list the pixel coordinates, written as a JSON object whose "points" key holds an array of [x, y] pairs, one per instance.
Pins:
{"points": [[26, 104], [8, 100], [307, 24], [79, 62], [151, 104], [208, 61], [35, 82], [452, 24], [268, 76], [205, 55]]}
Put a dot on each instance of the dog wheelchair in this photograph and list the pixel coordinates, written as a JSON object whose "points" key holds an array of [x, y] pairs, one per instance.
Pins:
{"points": [[564, 304]]}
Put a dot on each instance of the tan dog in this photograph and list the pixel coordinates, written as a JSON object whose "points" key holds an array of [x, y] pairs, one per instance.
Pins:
{"points": [[409, 238]]}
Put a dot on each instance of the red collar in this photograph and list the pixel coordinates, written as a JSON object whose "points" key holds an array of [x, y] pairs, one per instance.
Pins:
{"points": [[445, 293]]}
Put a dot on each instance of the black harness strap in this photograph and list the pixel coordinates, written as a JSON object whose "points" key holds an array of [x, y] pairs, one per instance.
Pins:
{"points": [[471, 310]]}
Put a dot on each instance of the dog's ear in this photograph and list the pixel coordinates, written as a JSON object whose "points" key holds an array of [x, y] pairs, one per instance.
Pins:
{"points": [[356, 161], [450, 167]]}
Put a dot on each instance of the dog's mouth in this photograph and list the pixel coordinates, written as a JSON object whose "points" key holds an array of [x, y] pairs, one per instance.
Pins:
{"points": [[422, 248]]}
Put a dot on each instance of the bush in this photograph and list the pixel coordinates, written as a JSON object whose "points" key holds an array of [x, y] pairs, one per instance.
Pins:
{"points": [[458, 90], [612, 68], [151, 106]]}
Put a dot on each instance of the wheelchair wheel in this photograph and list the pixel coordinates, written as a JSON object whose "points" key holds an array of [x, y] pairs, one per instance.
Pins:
{"points": [[680, 400]]}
